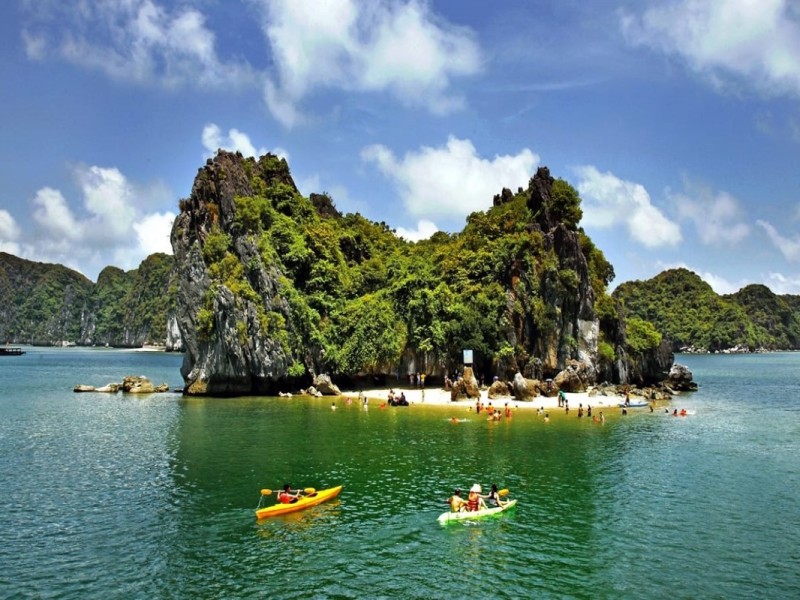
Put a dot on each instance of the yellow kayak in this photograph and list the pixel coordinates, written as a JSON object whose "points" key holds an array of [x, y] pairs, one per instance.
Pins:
{"points": [[318, 497]]}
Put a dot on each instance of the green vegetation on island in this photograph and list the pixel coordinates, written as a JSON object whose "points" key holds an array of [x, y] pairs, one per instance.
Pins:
{"points": [[48, 304], [687, 310], [273, 283]]}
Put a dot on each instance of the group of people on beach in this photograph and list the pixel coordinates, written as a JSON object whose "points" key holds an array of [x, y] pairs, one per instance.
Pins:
{"points": [[398, 399], [475, 500]]}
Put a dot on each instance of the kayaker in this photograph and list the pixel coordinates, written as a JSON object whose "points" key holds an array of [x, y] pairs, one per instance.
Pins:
{"points": [[493, 497], [456, 502], [474, 499], [286, 496]]}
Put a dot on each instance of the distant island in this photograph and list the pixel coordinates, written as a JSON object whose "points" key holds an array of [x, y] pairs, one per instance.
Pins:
{"points": [[696, 319]]}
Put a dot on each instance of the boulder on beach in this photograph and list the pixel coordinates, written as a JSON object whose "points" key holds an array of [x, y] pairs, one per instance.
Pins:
{"points": [[499, 389], [325, 386], [466, 387], [524, 389]]}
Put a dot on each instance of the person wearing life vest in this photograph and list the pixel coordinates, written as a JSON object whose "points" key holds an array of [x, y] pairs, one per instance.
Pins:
{"points": [[474, 499], [286, 496]]}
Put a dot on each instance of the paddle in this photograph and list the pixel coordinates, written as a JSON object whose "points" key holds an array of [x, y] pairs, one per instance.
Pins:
{"points": [[503, 492], [308, 490]]}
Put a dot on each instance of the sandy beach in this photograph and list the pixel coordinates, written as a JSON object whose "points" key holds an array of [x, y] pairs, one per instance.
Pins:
{"points": [[439, 396]]}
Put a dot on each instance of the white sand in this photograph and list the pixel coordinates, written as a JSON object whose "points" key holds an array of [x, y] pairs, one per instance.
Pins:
{"points": [[439, 396]]}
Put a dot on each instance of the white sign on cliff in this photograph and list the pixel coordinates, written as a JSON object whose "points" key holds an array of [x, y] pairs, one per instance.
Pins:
{"points": [[468, 357]]}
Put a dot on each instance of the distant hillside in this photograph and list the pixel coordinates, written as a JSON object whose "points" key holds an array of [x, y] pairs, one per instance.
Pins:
{"points": [[47, 304], [776, 318], [688, 311], [41, 303]]}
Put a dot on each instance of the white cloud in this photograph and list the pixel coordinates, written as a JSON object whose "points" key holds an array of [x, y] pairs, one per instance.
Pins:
{"points": [[9, 230], [716, 215], [399, 47], [608, 201], [781, 284], [720, 284], [728, 41], [789, 247], [54, 216], [235, 141], [35, 45], [134, 40], [109, 225], [381, 46], [451, 181], [153, 232], [10, 233], [424, 230], [110, 199]]}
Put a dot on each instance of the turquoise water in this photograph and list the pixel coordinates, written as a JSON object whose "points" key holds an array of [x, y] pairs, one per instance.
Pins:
{"points": [[112, 496]]}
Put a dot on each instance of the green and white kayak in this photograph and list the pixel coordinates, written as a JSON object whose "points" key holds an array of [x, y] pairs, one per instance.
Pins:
{"points": [[466, 515]]}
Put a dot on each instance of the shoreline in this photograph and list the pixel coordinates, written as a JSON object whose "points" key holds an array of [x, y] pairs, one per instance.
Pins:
{"points": [[441, 397]]}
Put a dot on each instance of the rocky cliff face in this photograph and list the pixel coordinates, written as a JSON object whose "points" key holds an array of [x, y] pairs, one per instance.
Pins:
{"points": [[568, 330], [235, 352], [570, 298]]}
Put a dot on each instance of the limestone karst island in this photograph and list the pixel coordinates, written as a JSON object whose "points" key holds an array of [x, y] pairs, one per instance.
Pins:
{"points": [[268, 290], [274, 288]]}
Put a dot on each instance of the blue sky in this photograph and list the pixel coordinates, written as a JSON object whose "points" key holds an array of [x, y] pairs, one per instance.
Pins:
{"points": [[678, 121]]}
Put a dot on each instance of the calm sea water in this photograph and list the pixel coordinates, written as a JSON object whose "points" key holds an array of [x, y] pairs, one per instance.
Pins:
{"points": [[112, 496]]}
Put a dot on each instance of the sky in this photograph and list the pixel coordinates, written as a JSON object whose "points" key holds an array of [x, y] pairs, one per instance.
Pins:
{"points": [[678, 121]]}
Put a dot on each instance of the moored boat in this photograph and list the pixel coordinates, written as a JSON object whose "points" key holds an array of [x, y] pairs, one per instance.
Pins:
{"points": [[466, 515], [11, 351], [310, 499], [634, 404]]}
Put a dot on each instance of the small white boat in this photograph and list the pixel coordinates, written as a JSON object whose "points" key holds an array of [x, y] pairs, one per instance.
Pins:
{"points": [[634, 404]]}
